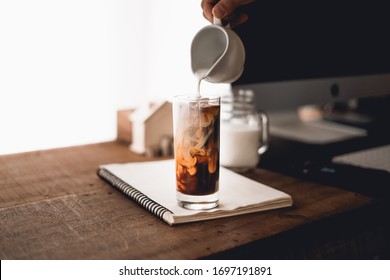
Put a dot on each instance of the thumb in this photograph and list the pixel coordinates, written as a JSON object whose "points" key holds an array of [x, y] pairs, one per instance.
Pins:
{"points": [[225, 7]]}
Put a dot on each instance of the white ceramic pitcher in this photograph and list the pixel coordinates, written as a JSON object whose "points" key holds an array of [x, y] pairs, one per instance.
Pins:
{"points": [[218, 53]]}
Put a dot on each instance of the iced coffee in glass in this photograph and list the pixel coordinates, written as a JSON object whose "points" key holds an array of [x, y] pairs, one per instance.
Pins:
{"points": [[196, 122]]}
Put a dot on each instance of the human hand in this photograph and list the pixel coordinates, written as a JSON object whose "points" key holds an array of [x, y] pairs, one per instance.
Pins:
{"points": [[225, 9]]}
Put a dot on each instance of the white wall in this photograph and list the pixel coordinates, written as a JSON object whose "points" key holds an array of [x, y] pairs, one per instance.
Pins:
{"points": [[67, 66]]}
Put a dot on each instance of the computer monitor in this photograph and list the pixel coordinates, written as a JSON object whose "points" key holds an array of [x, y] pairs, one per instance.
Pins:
{"points": [[314, 54]]}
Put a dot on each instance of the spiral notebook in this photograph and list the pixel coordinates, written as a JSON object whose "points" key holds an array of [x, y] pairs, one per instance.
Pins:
{"points": [[152, 186]]}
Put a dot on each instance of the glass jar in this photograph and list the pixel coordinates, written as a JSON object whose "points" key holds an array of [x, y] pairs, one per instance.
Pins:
{"points": [[244, 131]]}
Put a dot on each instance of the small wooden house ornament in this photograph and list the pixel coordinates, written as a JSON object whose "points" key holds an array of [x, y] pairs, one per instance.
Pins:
{"points": [[151, 126]]}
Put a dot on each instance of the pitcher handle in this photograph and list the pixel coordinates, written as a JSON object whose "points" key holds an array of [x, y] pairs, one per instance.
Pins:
{"points": [[264, 133], [218, 21]]}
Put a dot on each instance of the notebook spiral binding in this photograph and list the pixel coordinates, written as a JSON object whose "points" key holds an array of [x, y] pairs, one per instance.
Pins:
{"points": [[150, 205]]}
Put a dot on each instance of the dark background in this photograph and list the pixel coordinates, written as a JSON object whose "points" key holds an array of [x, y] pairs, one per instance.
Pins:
{"points": [[286, 41]]}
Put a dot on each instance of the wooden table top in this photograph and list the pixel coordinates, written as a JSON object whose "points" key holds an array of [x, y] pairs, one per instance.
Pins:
{"points": [[54, 206]]}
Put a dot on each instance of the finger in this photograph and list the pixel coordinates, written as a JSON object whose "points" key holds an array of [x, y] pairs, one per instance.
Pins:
{"points": [[207, 17], [207, 6], [225, 7]]}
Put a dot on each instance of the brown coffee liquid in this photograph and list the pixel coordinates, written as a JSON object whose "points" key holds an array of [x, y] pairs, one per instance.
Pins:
{"points": [[197, 154]]}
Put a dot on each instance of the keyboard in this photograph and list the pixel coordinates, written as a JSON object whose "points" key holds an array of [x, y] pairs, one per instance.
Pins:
{"points": [[374, 158], [366, 171]]}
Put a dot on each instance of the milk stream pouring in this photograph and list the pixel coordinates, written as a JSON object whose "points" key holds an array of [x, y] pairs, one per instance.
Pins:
{"points": [[199, 74], [218, 56]]}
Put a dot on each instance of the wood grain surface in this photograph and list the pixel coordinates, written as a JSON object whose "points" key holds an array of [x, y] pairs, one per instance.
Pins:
{"points": [[54, 206]]}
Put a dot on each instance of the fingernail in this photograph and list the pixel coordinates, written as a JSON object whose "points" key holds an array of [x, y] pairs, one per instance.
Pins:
{"points": [[219, 12]]}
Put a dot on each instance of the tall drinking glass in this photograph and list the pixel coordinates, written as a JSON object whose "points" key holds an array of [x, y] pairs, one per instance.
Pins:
{"points": [[196, 124]]}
